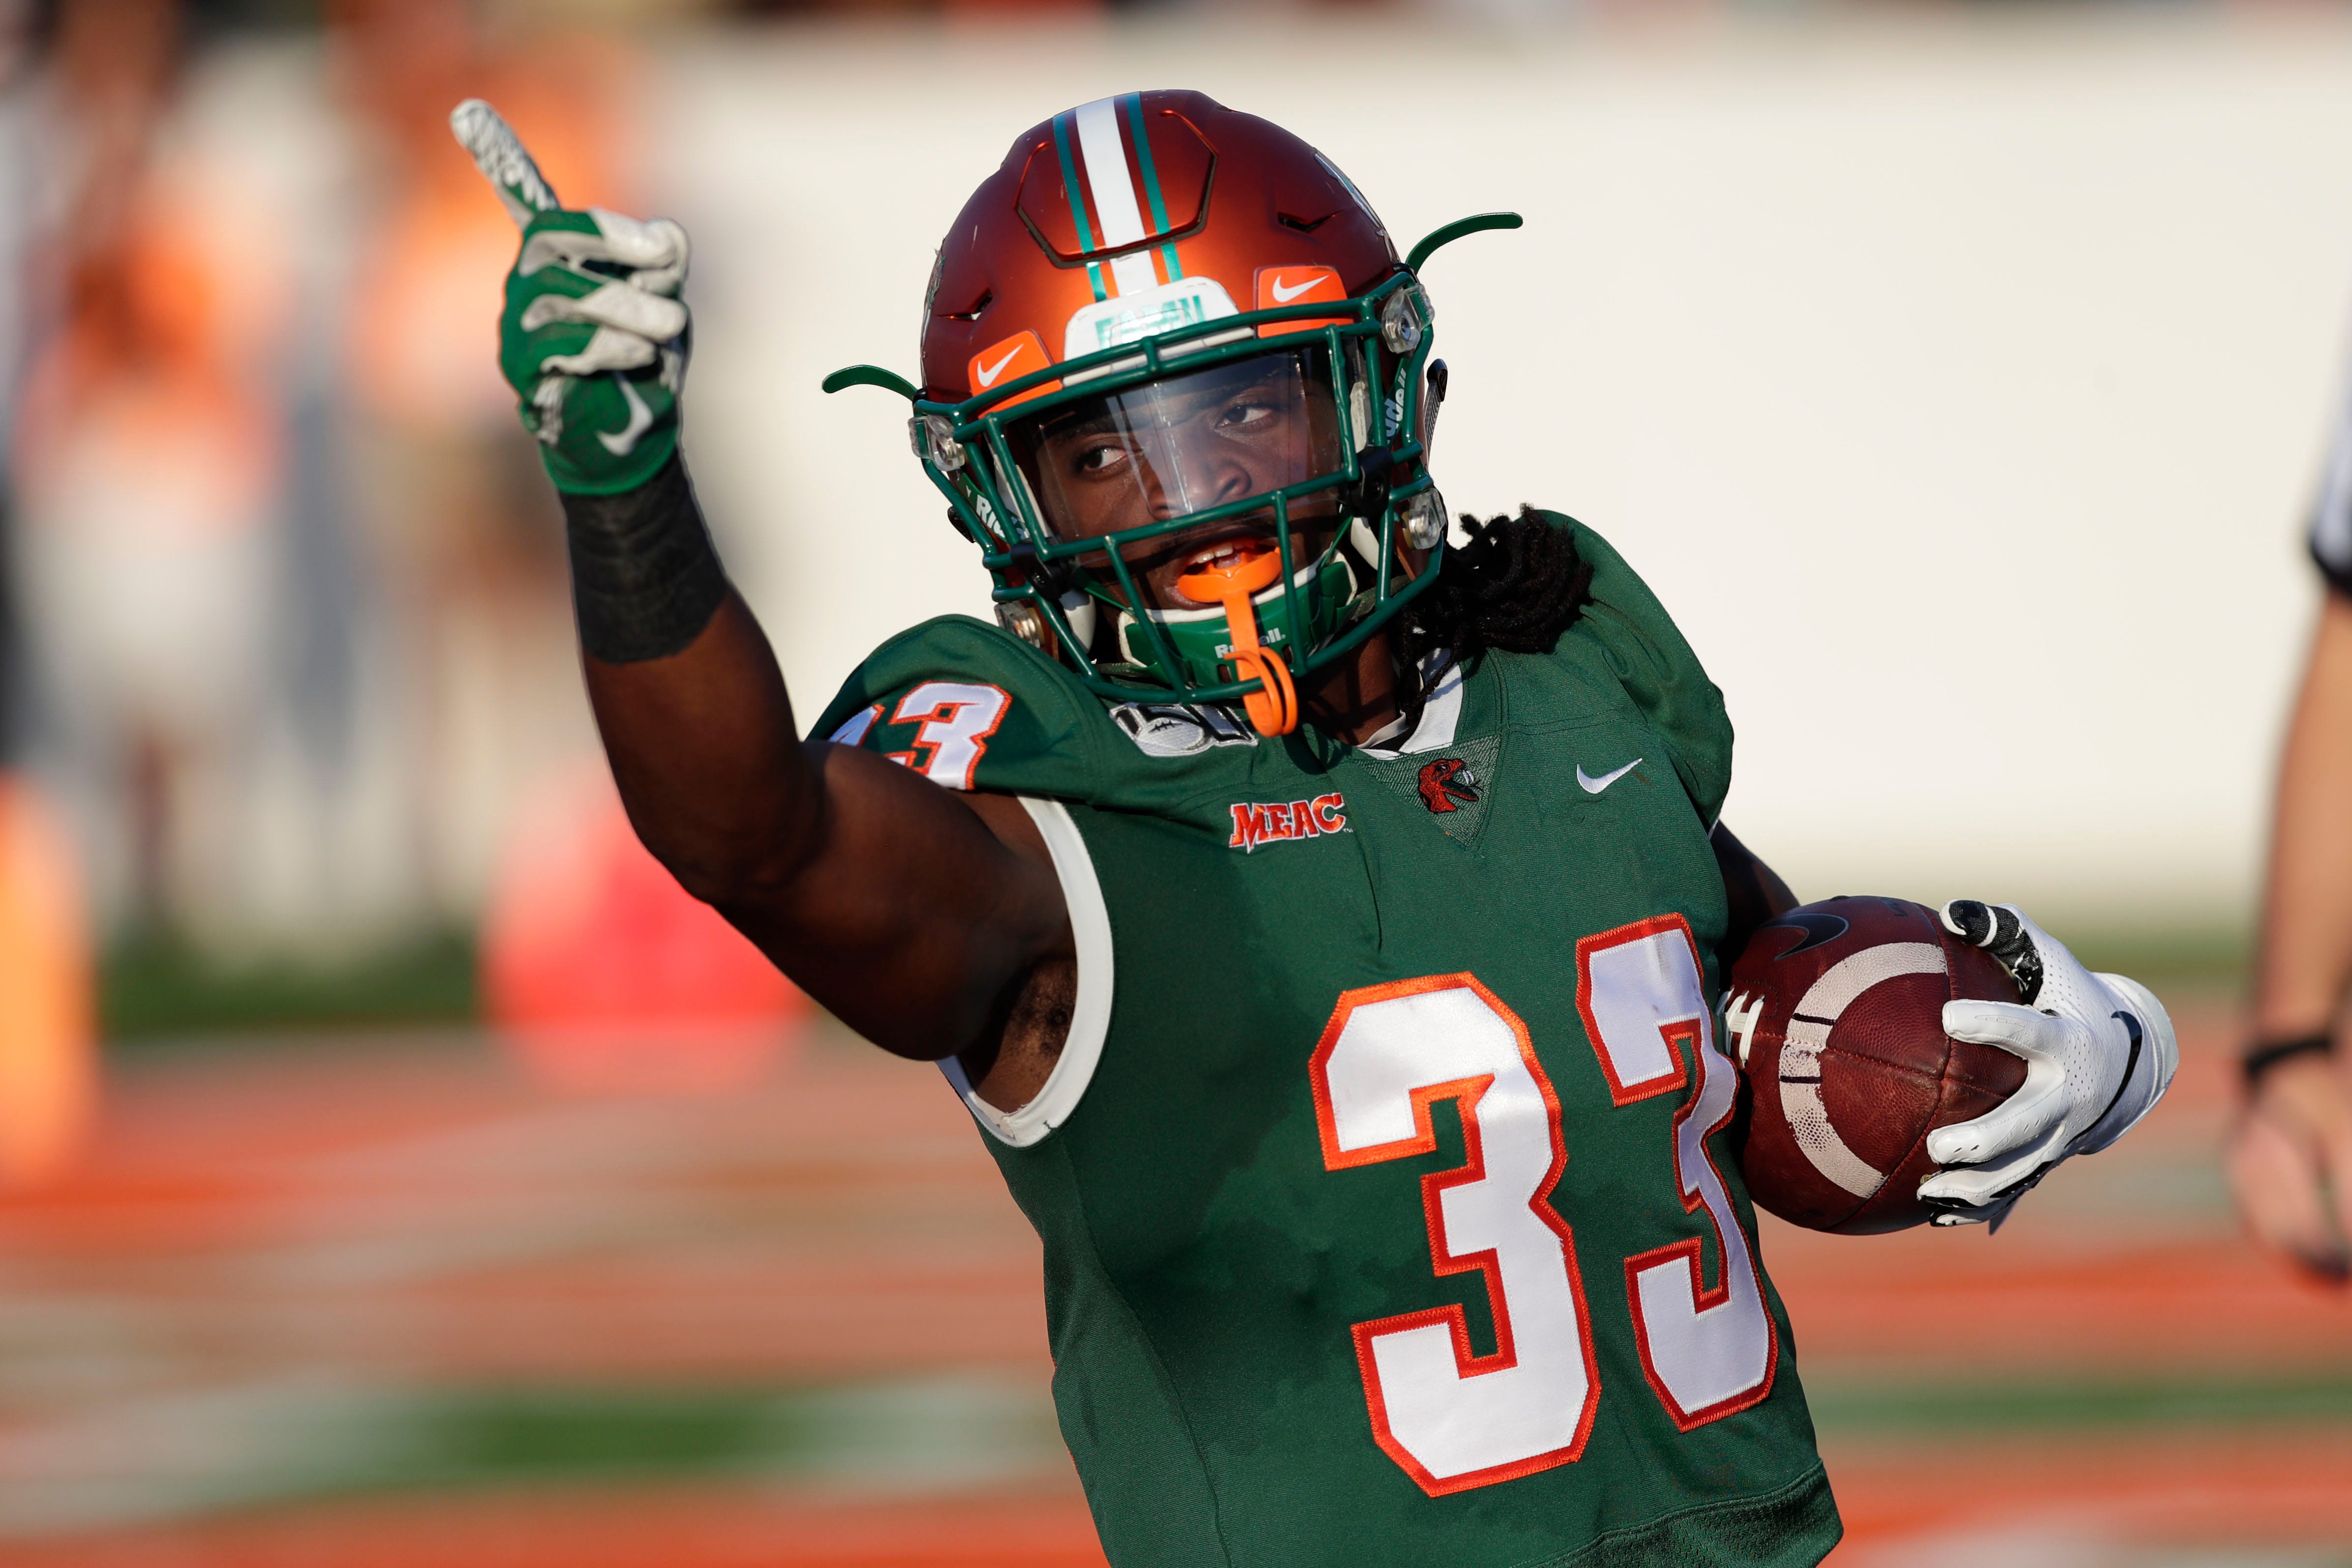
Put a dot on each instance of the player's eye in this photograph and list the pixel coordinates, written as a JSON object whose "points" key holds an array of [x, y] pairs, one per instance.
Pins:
{"points": [[1242, 412], [1099, 457]]}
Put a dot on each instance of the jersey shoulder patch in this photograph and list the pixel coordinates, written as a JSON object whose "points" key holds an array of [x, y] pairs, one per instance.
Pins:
{"points": [[970, 707]]}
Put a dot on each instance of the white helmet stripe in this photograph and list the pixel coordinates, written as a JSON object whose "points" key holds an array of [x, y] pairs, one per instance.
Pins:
{"points": [[1113, 189]]}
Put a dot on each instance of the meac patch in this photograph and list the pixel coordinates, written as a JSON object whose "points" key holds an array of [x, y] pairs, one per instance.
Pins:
{"points": [[1257, 823]]}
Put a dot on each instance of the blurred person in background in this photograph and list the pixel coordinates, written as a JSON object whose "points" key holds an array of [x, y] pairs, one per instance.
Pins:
{"points": [[2290, 1152], [48, 1067], [458, 527], [148, 455]]}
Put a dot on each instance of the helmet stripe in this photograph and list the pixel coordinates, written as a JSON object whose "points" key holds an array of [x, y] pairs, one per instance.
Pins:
{"points": [[1107, 175], [1077, 197], [1134, 103], [1113, 189]]}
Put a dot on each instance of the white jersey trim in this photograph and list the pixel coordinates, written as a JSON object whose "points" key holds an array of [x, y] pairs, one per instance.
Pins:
{"points": [[1089, 1019], [1440, 715]]}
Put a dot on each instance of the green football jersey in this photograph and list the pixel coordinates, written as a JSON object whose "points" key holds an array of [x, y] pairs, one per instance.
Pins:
{"points": [[1386, 1215]]}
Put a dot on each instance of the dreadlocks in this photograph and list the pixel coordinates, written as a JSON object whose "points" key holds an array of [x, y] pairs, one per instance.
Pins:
{"points": [[1516, 584]]}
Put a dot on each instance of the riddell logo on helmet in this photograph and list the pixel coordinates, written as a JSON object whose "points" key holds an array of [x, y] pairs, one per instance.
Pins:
{"points": [[1024, 353], [1278, 821]]}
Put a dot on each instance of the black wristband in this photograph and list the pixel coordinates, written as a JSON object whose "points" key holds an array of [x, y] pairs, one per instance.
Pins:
{"points": [[645, 580], [2265, 1055]]}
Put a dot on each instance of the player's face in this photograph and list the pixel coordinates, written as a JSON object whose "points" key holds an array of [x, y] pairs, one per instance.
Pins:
{"points": [[1183, 445]]}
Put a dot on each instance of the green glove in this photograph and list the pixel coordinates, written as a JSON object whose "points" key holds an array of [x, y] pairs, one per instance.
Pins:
{"points": [[595, 342]]}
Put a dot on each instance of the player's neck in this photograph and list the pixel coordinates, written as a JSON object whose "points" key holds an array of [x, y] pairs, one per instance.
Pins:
{"points": [[1356, 699]]}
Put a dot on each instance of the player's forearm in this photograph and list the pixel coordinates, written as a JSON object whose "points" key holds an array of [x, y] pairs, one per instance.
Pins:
{"points": [[687, 693], [2306, 940], [907, 909]]}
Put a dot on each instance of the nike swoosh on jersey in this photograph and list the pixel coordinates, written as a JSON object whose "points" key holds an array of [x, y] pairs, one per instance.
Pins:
{"points": [[1282, 296], [1595, 785], [988, 373], [623, 441]]}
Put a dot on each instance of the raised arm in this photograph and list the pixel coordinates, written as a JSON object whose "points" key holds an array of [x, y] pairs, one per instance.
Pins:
{"points": [[929, 922], [917, 915]]}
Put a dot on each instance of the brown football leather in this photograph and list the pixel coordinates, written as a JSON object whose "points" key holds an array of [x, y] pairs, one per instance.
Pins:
{"points": [[1885, 1072]]}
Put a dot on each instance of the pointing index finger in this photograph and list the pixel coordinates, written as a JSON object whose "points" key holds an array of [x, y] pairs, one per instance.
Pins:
{"points": [[500, 153]]}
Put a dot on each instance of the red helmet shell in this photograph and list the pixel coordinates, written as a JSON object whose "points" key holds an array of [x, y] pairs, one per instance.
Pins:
{"points": [[1168, 201]]}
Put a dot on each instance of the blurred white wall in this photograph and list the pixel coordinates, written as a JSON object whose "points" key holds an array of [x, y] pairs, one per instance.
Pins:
{"points": [[1958, 381]]}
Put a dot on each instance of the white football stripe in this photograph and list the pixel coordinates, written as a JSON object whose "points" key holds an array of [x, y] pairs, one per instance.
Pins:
{"points": [[1801, 1054]]}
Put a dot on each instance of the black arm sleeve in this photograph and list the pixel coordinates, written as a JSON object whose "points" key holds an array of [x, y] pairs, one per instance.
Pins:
{"points": [[645, 578]]}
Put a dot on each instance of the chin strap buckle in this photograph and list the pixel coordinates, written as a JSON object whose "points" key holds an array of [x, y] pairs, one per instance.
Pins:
{"points": [[1368, 496], [1054, 578]]}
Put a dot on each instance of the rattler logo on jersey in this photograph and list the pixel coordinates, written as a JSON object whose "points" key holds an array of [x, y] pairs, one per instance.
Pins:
{"points": [[1447, 785], [1275, 821], [1180, 729]]}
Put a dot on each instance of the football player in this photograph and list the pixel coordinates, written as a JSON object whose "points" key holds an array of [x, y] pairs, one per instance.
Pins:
{"points": [[1264, 823], [2290, 1154]]}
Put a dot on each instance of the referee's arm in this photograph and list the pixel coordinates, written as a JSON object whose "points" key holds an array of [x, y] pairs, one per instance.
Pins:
{"points": [[2292, 1144]]}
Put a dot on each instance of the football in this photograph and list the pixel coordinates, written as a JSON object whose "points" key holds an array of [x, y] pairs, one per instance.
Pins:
{"points": [[1834, 1014]]}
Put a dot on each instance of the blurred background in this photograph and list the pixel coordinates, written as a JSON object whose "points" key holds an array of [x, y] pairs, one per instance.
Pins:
{"points": [[394, 1167]]}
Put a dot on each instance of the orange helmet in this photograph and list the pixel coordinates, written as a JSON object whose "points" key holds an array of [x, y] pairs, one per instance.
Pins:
{"points": [[1160, 316]]}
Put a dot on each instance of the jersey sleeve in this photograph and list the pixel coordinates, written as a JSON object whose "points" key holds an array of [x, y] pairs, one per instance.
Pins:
{"points": [[973, 708], [1658, 671], [2331, 512]]}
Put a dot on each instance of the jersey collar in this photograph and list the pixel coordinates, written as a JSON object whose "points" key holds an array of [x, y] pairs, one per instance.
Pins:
{"points": [[1439, 716]]}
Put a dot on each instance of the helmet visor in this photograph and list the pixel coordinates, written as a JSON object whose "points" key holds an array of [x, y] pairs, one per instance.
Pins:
{"points": [[1183, 444]]}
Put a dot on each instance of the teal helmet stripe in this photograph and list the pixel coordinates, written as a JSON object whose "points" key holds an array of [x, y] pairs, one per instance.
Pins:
{"points": [[1134, 103], [1077, 198]]}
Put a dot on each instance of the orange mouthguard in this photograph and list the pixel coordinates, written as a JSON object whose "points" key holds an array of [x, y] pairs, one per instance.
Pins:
{"points": [[1272, 707]]}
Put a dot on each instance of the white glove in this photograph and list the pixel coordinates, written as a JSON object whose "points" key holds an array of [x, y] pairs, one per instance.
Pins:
{"points": [[2099, 1053], [634, 269], [595, 343]]}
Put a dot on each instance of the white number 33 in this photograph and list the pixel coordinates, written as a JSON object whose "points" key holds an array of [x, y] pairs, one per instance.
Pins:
{"points": [[1452, 1420]]}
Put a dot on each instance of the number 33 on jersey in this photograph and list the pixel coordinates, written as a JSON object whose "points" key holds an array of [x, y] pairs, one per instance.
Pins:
{"points": [[1452, 1420]]}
